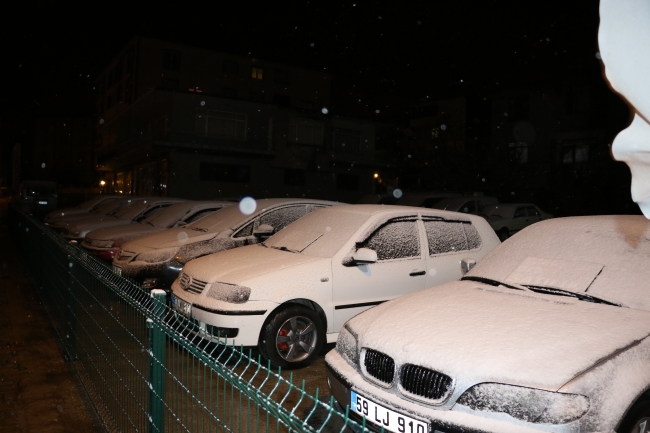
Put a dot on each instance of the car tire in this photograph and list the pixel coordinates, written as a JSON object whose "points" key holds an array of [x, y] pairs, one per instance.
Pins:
{"points": [[637, 419], [292, 337], [503, 234]]}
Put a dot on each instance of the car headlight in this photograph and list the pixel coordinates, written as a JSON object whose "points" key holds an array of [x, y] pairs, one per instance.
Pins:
{"points": [[347, 345], [526, 404], [229, 293]]}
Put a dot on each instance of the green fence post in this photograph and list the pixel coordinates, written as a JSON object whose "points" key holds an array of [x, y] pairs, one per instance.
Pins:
{"points": [[156, 364], [71, 318]]}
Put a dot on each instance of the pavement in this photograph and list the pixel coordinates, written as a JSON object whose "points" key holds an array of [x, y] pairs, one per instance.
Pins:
{"points": [[38, 390]]}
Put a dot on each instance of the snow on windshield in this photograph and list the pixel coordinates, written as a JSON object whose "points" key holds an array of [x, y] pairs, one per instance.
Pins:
{"points": [[336, 224], [619, 244], [170, 215]]}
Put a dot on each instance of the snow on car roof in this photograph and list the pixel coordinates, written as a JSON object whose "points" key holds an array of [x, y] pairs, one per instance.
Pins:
{"points": [[605, 256], [322, 233]]}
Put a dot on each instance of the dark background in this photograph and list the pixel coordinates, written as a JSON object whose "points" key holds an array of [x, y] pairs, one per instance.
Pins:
{"points": [[386, 56]]}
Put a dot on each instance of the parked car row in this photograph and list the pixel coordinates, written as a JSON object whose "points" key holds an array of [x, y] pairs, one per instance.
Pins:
{"points": [[438, 325]]}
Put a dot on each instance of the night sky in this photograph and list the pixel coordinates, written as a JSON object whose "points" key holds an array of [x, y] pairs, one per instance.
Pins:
{"points": [[388, 55]]}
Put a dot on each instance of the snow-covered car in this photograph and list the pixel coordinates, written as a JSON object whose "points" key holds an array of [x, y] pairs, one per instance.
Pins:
{"points": [[295, 291], [85, 208], [133, 210], [108, 208], [106, 242], [508, 218], [465, 204], [549, 332], [156, 259]]}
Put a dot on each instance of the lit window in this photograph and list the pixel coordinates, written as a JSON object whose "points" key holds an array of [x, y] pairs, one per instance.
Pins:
{"points": [[257, 73]]}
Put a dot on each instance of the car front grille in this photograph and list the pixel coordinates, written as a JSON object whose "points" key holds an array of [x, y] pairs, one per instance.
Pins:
{"points": [[424, 383], [379, 366], [191, 285]]}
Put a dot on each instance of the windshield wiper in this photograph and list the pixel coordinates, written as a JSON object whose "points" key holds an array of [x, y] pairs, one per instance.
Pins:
{"points": [[285, 249], [570, 294], [495, 283], [199, 229]]}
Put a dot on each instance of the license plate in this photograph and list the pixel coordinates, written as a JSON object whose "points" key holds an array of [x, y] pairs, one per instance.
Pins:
{"points": [[384, 417], [185, 308], [117, 270], [42, 202]]}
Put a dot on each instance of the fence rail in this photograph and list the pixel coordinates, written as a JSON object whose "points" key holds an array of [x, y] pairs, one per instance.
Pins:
{"points": [[149, 369]]}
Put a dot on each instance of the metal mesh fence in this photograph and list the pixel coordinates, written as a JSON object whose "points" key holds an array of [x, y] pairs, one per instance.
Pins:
{"points": [[147, 368]]}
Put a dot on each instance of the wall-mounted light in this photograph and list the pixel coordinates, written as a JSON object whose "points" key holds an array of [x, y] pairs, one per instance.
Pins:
{"points": [[376, 175], [102, 183]]}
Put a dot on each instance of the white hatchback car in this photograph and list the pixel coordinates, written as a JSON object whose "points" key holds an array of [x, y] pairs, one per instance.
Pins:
{"points": [[291, 293], [549, 332]]}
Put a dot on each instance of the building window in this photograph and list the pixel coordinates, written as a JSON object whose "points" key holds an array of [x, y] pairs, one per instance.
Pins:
{"points": [[213, 172], [518, 152], [282, 100], [346, 140], [575, 153], [347, 182], [172, 60], [220, 124], [229, 92], [256, 96], [306, 131], [257, 73], [294, 177], [282, 76], [230, 67]]}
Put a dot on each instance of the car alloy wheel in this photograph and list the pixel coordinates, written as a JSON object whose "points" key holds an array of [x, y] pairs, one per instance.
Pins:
{"points": [[292, 337], [637, 419]]}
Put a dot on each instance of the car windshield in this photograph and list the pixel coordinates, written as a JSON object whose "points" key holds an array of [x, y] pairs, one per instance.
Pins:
{"points": [[131, 209], [494, 211], [601, 258], [110, 207], [321, 233], [220, 220], [169, 216]]}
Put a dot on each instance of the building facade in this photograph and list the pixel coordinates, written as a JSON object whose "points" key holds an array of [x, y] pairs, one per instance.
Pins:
{"points": [[175, 120]]}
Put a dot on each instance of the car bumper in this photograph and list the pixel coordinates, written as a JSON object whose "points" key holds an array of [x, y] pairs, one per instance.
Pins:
{"points": [[342, 378], [105, 254], [245, 322], [164, 273]]}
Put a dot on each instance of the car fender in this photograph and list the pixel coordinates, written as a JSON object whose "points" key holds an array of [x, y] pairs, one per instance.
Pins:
{"points": [[613, 385]]}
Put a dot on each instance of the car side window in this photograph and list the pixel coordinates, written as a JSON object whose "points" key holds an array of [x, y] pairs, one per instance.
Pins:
{"points": [[468, 207], [398, 238], [520, 212], [447, 236], [280, 218], [532, 211]]}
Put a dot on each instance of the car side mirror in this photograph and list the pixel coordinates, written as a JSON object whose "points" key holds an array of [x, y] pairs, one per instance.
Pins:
{"points": [[466, 265], [263, 230], [360, 257]]}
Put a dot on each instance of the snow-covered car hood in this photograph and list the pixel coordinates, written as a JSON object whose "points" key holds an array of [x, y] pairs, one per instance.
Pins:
{"points": [[175, 237], [240, 264], [124, 232], [100, 222], [479, 333]]}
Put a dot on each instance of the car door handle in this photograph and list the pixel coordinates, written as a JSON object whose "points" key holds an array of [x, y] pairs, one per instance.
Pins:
{"points": [[417, 273]]}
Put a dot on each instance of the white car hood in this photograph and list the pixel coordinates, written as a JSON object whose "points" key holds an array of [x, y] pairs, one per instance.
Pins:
{"points": [[175, 237], [245, 263], [129, 231], [479, 333]]}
